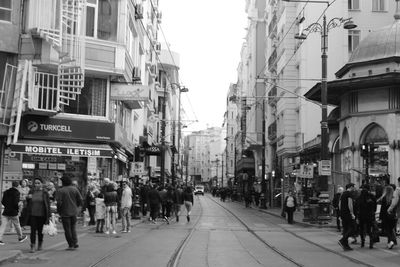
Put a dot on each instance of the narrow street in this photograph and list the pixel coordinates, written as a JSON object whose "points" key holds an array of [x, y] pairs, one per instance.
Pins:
{"points": [[219, 234]]}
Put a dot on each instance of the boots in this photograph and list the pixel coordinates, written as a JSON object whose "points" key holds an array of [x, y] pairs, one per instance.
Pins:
{"points": [[32, 248], [40, 245]]}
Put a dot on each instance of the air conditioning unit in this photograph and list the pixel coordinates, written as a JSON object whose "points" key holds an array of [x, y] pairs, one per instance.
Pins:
{"points": [[159, 17], [136, 74], [139, 11]]}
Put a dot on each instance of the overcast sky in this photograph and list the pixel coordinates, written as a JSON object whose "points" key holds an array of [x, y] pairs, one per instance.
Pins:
{"points": [[208, 35]]}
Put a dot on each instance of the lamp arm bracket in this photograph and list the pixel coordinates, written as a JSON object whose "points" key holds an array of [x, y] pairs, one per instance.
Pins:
{"points": [[336, 22]]}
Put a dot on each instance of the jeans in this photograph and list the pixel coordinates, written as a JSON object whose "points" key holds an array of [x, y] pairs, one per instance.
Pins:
{"points": [[111, 216], [91, 210], [154, 210], [126, 218], [389, 226], [37, 223], [290, 211], [5, 220], [188, 206], [100, 225], [69, 225]]}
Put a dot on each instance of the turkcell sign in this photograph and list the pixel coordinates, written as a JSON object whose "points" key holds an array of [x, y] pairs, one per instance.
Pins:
{"points": [[61, 151]]}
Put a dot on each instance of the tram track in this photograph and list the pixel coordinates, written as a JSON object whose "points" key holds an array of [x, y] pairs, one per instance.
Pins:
{"points": [[281, 253]]}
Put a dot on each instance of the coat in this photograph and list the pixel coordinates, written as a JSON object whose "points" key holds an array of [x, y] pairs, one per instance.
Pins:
{"points": [[10, 202], [47, 213], [69, 200], [100, 209], [285, 203]]}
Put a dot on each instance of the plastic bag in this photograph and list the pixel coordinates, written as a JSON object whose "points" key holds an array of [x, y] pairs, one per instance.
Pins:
{"points": [[50, 229]]}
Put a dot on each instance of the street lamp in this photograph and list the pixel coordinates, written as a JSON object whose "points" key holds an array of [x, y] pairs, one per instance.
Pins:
{"points": [[181, 90], [348, 24]]}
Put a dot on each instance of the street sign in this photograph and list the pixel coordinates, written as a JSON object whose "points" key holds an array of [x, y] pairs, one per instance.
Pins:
{"points": [[325, 167], [137, 168], [306, 171]]}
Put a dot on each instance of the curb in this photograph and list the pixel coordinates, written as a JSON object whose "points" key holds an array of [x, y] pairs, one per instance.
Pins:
{"points": [[305, 224], [9, 256]]}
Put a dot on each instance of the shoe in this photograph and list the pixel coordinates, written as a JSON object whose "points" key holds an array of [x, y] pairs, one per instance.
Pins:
{"points": [[124, 231], [76, 246], [344, 246], [188, 218], [371, 246], [177, 218], [32, 248], [23, 238], [129, 231], [114, 232], [97, 231], [70, 248], [107, 232], [39, 248], [390, 245], [347, 248], [2, 243]]}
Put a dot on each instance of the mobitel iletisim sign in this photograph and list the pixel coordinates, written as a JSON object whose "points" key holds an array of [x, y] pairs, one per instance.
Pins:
{"points": [[62, 151]]}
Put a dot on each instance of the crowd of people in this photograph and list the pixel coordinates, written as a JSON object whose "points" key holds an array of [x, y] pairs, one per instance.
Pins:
{"points": [[35, 205], [363, 212]]}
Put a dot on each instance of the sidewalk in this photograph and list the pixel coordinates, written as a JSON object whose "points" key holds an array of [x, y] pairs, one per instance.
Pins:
{"points": [[12, 254]]}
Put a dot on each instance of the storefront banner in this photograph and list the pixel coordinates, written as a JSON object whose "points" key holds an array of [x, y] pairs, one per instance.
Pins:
{"points": [[46, 128], [151, 150], [61, 151]]}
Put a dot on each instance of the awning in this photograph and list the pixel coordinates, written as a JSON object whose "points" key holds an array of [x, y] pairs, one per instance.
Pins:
{"points": [[62, 148]]}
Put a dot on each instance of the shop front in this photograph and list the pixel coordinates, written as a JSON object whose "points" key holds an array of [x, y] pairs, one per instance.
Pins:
{"points": [[50, 148]]}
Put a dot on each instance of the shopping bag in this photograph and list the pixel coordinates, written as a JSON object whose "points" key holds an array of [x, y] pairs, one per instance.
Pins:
{"points": [[50, 229]]}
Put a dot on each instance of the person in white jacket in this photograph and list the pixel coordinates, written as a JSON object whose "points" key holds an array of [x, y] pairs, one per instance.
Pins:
{"points": [[126, 204]]}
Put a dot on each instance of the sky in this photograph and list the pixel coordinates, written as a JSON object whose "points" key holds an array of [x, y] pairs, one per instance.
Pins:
{"points": [[208, 35]]}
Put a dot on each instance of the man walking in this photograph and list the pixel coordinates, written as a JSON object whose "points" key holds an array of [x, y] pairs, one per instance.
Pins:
{"points": [[346, 204], [69, 200], [10, 202], [178, 201], [335, 204], [126, 204]]}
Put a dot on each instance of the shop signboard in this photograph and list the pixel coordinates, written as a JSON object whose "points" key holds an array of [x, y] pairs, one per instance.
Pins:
{"points": [[137, 168], [324, 167], [306, 171], [46, 128], [151, 150], [55, 150]]}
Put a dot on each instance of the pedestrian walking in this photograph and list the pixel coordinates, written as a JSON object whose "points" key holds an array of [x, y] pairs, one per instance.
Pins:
{"points": [[144, 189], [178, 201], [366, 215], [347, 216], [100, 213], [10, 201], [290, 204], [169, 202], [388, 219], [91, 203], [38, 212], [69, 203], [395, 206], [111, 202], [126, 205], [335, 205], [188, 200], [153, 202], [163, 196], [23, 191]]}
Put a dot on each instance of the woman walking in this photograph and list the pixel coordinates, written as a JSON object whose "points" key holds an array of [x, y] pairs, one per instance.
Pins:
{"points": [[23, 193], [188, 200], [366, 215], [91, 203], [290, 205], [111, 202], [388, 220], [38, 210]]}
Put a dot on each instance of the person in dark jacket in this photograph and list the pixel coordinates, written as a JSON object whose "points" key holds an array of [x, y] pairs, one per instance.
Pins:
{"points": [[153, 202], [38, 207], [290, 205], [178, 201], [388, 219], [188, 200], [69, 202], [111, 202], [366, 214], [335, 204], [10, 213], [144, 189]]}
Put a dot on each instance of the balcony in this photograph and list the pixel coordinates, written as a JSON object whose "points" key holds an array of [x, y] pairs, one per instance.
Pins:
{"points": [[272, 131], [272, 62], [272, 28], [134, 95]]}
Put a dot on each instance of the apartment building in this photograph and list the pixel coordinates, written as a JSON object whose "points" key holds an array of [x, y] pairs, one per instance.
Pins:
{"points": [[83, 88], [231, 131], [294, 67]]}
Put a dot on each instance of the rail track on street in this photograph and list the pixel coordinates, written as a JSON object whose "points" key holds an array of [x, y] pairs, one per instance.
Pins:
{"points": [[278, 251]]}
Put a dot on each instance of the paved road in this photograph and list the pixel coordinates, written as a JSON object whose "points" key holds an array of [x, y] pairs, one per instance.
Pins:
{"points": [[219, 234]]}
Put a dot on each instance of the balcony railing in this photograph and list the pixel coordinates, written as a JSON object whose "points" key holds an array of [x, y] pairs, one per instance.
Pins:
{"points": [[272, 131], [272, 96], [272, 60]]}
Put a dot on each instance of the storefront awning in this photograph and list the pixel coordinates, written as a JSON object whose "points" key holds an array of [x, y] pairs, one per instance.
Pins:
{"points": [[62, 148]]}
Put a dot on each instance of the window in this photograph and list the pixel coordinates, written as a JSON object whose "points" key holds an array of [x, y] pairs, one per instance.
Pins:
{"points": [[354, 4], [92, 100], [378, 5], [102, 19], [353, 40], [5, 10]]}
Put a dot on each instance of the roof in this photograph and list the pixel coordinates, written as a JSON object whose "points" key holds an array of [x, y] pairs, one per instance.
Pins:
{"points": [[379, 46]]}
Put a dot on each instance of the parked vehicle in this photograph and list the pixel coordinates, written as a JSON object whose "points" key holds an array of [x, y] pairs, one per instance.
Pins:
{"points": [[199, 189]]}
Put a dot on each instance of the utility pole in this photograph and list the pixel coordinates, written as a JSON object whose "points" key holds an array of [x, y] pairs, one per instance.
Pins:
{"points": [[173, 172], [263, 180], [163, 136], [222, 171]]}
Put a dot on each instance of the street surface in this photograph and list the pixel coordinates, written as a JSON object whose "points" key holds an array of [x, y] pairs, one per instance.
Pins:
{"points": [[219, 234]]}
